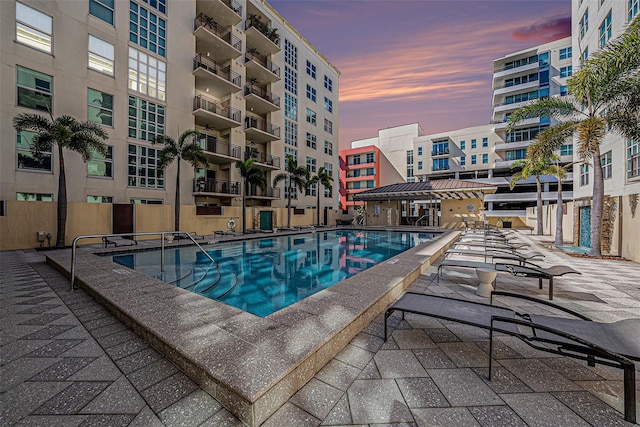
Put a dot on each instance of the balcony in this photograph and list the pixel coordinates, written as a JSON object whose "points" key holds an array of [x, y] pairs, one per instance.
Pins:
{"points": [[213, 78], [500, 125], [227, 12], [255, 192], [501, 72], [501, 90], [218, 150], [260, 36], [513, 145], [504, 107], [260, 100], [440, 153], [258, 129], [216, 40], [211, 114], [260, 67], [264, 161], [202, 186]]}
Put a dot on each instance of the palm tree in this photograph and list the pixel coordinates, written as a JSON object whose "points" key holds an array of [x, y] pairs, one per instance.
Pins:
{"points": [[251, 175], [604, 94], [185, 148], [293, 176], [324, 179], [536, 167], [67, 133]]}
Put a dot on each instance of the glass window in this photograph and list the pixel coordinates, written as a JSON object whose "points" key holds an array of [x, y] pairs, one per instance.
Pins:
{"points": [[147, 30], [566, 71], [462, 145], [34, 197], [440, 164], [288, 151], [409, 173], [605, 30], [290, 80], [311, 116], [606, 161], [419, 151], [419, 164], [159, 5], [485, 158], [485, 142], [290, 54], [409, 157], [474, 159], [585, 53], [473, 144], [290, 106], [564, 91], [584, 175], [101, 55], [566, 150], [35, 90], [440, 148], [290, 132], [311, 164], [543, 59], [633, 159], [328, 84], [328, 148], [26, 158], [516, 154], [146, 119], [101, 166], [311, 140], [142, 171], [33, 28], [146, 202], [147, 75], [565, 53], [311, 69], [328, 126], [100, 107], [463, 160], [328, 104], [99, 199], [584, 23], [371, 157], [633, 8], [102, 9], [311, 93]]}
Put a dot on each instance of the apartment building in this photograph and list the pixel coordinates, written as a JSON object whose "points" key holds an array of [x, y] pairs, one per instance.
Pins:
{"points": [[362, 169], [234, 70]]}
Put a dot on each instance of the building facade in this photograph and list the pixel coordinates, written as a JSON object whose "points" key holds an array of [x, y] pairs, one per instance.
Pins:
{"points": [[234, 70]]}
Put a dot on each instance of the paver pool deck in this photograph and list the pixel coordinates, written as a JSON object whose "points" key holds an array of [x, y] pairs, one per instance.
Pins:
{"points": [[66, 360]]}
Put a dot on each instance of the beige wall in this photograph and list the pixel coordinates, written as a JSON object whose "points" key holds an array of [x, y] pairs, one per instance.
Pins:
{"points": [[23, 220], [630, 246], [389, 213], [454, 212], [549, 221]]}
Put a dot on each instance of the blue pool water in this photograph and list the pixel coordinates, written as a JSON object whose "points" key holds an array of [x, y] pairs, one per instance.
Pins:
{"points": [[262, 276]]}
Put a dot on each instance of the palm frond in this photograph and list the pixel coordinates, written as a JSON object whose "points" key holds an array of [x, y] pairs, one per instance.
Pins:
{"points": [[550, 139], [557, 108], [32, 122], [590, 132]]}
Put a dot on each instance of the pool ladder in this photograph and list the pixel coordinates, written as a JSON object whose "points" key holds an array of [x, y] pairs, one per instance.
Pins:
{"points": [[162, 235]]}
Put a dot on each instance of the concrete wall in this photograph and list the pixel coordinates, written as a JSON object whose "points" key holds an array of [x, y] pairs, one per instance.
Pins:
{"points": [[454, 212], [386, 213], [630, 243], [21, 222]]}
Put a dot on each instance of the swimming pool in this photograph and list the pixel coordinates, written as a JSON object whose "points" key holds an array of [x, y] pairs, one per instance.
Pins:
{"points": [[262, 276]]}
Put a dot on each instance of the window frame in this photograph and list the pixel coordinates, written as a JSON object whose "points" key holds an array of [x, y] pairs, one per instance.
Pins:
{"points": [[328, 148], [565, 53], [606, 162], [159, 178], [311, 69], [29, 153], [605, 31], [328, 105], [99, 57], [35, 89], [328, 83], [633, 160], [143, 79], [139, 107], [328, 126], [39, 32], [101, 4], [311, 93], [311, 140], [100, 107], [312, 117], [38, 197], [157, 46], [98, 158]]}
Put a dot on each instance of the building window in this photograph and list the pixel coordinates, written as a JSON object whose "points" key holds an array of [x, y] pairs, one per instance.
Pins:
{"points": [[440, 148], [100, 107], [33, 28], [409, 172], [473, 159], [328, 84], [312, 190], [565, 53], [462, 145], [328, 104], [147, 30], [311, 69], [605, 30], [34, 89], [606, 160], [311, 140], [290, 133], [634, 7], [564, 91], [328, 148], [146, 74], [142, 171], [146, 202], [584, 23], [409, 157], [419, 164], [34, 197], [463, 160], [102, 9], [290, 106], [26, 158], [328, 126], [543, 59], [101, 166], [159, 5], [146, 119], [440, 165], [290, 80], [290, 54], [371, 158], [311, 164], [288, 151], [311, 116], [99, 199], [419, 151], [311, 93], [485, 158], [566, 150], [584, 175], [473, 144], [585, 53], [633, 159], [566, 71], [101, 55], [516, 154], [485, 142]]}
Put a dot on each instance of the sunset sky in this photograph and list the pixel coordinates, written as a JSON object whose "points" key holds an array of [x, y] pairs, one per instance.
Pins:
{"points": [[424, 61]]}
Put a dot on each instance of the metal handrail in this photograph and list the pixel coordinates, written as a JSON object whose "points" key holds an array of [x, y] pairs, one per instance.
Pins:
{"points": [[420, 219], [153, 233]]}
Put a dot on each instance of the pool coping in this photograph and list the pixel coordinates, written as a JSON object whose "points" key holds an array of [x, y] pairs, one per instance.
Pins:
{"points": [[251, 365]]}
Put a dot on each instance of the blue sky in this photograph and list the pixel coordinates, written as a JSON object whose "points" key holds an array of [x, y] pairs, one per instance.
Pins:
{"points": [[425, 61]]}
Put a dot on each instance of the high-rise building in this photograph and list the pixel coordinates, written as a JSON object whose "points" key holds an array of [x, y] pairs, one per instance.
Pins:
{"points": [[234, 70]]}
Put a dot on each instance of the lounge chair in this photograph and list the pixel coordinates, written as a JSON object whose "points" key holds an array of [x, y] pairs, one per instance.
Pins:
{"points": [[612, 344], [491, 246], [496, 254], [539, 272], [117, 241], [193, 234], [463, 263]]}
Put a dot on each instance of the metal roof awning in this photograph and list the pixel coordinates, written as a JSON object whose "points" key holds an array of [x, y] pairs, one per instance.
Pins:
{"points": [[444, 189]]}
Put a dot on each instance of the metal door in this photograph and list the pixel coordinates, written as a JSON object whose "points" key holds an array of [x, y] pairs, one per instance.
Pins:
{"points": [[265, 220]]}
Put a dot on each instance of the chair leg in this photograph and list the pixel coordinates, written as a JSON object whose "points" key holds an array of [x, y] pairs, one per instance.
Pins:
{"points": [[490, 352], [550, 288], [540, 282], [386, 317], [630, 393]]}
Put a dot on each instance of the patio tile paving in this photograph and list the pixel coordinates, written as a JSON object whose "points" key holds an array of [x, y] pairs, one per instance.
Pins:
{"points": [[543, 410], [398, 364], [444, 417], [377, 401], [317, 398], [462, 387]]}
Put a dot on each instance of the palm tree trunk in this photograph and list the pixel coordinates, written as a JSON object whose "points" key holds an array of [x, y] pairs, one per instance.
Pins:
{"points": [[244, 207], [559, 239], [539, 207], [289, 205], [318, 204], [597, 205], [176, 214], [62, 202]]}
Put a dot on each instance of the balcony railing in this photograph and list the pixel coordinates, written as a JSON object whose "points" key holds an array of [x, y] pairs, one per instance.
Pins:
{"points": [[266, 159], [252, 89], [435, 152], [223, 33], [256, 191], [206, 63], [262, 60], [202, 185], [261, 124], [270, 33], [213, 106], [213, 144], [234, 5]]}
